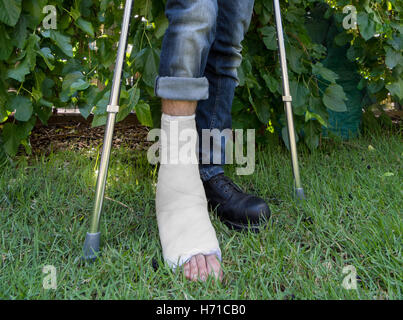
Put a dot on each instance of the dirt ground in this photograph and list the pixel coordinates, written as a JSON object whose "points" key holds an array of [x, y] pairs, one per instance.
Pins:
{"points": [[75, 133]]}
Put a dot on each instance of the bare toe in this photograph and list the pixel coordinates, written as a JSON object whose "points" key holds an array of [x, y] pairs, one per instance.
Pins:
{"points": [[186, 269], [201, 265], [194, 272], [214, 267]]}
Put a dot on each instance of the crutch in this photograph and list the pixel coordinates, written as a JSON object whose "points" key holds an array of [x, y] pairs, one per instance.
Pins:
{"points": [[92, 240], [299, 191]]}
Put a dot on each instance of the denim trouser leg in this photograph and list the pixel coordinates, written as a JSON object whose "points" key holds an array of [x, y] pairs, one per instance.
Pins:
{"points": [[185, 49], [221, 71], [201, 52]]}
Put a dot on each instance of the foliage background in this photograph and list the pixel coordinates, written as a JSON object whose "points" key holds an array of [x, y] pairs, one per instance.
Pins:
{"points": [[72, 65]]}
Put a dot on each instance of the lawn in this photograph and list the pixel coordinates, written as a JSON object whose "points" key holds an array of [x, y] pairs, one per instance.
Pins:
{"points": [[352, 217]]}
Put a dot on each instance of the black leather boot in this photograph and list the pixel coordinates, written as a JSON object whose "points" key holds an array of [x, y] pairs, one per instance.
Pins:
{"points": [[235, 208]]}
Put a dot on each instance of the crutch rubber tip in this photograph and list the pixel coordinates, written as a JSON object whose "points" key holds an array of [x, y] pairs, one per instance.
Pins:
{"points": [[91, 246], [299, 192]]}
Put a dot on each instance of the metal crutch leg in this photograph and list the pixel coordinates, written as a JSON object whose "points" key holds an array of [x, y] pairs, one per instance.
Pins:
{"points": [[299, 191], [92, 240]]}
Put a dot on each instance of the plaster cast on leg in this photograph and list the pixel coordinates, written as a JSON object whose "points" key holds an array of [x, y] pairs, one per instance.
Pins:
{"points": [[183, 221]]}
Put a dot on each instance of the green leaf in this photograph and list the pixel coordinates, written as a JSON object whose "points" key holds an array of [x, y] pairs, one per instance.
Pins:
{"points": [[32, 42], [47, 86], [375, 86], [62, 41], [393, 57], [396, 41], [79, 85], [314, 116], [142, 8], [14, 134], [20, 32], [22, 106], [262, 111], [244, 70], [102, 104], [72, 83], [124, 111], [143, 114], [85, 109], [334, 98], [319, 70], [151, 66], [270, 37], [106, 53], [366, 25], [99, 120], [10, 138], [45, 103], [85, 26], [6, 47], [75, 13], [10, 11], [161, 25], [36, 94], [272, 83], [300, 96], [396, 88], [237, 105], [35, 10], [25, 128], [47, 56], [295, 14], [311, 135], [134, 96], [20, 71], [294, 58], [317, 110], [4, 113], [90, 99], [43, 113], [343, 38], [104, 4]]}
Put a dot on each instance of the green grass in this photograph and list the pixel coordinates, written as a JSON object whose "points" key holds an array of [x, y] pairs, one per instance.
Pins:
{"points": [[353, 216]]}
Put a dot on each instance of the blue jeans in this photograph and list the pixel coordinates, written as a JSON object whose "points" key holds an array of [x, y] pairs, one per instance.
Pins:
{"points": [[201, 53]]}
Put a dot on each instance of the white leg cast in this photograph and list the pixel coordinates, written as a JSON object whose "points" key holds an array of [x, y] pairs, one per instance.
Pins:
{"points": [[184, 225]]}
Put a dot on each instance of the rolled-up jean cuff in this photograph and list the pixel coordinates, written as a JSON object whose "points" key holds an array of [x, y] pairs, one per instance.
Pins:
{"points": [[181, 88]]}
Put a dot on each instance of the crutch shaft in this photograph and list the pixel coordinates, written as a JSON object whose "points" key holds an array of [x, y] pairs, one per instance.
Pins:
{"points": [[92, 240], [102, 173], [293, 144], [287, 100]]}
